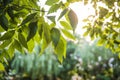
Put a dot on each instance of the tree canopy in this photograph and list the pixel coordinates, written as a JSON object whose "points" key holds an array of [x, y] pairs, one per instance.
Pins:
{"points": [[25, 23]]}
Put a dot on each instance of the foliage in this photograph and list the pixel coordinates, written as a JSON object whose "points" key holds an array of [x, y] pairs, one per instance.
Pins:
{"points": [[83, 60], [23, 23], [105, 23]]}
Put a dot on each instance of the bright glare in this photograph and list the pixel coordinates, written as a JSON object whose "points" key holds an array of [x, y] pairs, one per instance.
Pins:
{"points": [[82, 11]]}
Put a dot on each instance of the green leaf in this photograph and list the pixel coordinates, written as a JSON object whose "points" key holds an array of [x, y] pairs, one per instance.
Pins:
{"points": [[31, 45], [22, 40], [66, 25], [28, 18], [40, 30], [86, 33], [54, 8], [68, 34], [1, 67], [4, 22], [73, 19], [51, 2], [32, 30], [61, 49], [5, 44], [17, 45], [47, 32], [11, 50], [55, 36], [8, 35], [63, 13], [100, 42], [52, 18]]}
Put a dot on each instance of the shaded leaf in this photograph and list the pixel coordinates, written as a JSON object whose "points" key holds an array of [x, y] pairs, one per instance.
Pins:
{"points": [[8, 35], [17, 45], [28, 18], [73, 19], [52, 18], [4, 22], [51, 2], [5, 44], [66, 25], [32, 30], [22, 40], [63, 13], [68, 34], [55, 36]]}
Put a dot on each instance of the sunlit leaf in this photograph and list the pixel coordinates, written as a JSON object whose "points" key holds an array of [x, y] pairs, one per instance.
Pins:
{"points": [[32, 30], [11, 49], [63, 13], [51, 2], [55, 36], [8, 35], [31, 45], [1, 67], [68, 34], [100, 42], [28, 18], [61, 49], [22, 40], [73, 19], [66, 25], [54, 8], [46, 32]]}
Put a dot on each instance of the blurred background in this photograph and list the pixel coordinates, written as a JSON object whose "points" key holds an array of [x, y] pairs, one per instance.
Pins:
{"points": [[84, 61]]}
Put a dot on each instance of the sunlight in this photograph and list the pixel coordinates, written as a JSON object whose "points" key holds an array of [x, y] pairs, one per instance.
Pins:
{"points": [[82, 11]]}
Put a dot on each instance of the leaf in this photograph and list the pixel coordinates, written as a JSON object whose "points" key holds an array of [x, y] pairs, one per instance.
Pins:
{"points": [[66, 25], [100, 42], [52, 18], [22, 40], [32, 30], [4, 22], [1, 67], [73, 19], [54, 8], [51, 2], [47, 32], [8, 35], [40, 30], [28, 18], [5, 44], [61, 49], [17, 45], [63, 13], [55, 36], [31, 45], [68, 34], [11, 50]]}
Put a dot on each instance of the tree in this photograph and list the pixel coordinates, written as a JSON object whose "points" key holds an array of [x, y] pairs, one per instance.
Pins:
{"points": [[105, 23], [23, 23]]}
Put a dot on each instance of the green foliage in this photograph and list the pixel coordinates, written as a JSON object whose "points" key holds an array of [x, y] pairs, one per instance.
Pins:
{"points": [[24, 23], [105, 24]]}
